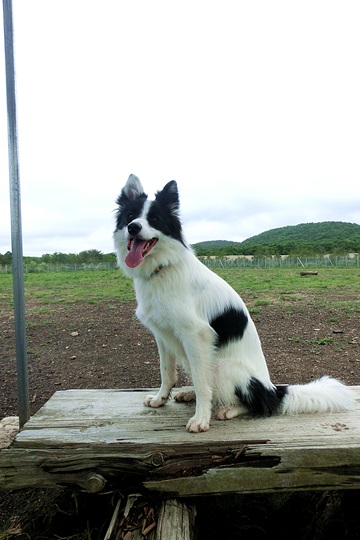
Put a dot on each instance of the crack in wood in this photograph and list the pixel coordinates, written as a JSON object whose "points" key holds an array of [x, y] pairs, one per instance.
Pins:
{"points": [[185, 466]]}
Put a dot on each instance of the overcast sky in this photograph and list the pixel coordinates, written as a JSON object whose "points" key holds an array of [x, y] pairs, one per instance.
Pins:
{"points": [[252, 106]]}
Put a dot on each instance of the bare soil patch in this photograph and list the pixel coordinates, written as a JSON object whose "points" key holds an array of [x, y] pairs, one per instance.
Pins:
{"points": [[84, 345]]}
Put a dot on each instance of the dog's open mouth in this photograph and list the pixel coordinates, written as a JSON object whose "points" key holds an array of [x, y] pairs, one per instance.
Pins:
{"points": [[137, 250]]}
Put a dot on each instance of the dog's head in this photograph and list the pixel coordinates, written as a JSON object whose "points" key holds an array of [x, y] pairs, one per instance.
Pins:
{"points": [[147, 232]]}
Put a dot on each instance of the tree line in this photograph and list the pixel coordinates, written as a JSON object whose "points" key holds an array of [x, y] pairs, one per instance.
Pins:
{"points": [[293, 248], [90, 256], [335, 237], [305, 239]]}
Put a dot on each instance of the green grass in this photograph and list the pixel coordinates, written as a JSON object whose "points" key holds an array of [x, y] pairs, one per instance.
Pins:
{"points": [[259, 287], [289, 281], [54, 288], [318, 341], [274, 285]]}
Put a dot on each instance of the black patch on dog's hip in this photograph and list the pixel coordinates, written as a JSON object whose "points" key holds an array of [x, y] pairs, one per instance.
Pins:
{"points": [[229, 326], [261, 401]]}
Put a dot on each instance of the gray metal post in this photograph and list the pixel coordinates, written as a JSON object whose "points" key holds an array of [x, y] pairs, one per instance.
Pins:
{"points": [[16, 230]]}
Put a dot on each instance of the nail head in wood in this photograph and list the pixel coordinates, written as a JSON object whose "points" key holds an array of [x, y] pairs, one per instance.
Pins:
{"points": [[95, 483]]}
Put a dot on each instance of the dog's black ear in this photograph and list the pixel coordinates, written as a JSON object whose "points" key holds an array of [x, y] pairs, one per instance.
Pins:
{"points": [[169, 196]]}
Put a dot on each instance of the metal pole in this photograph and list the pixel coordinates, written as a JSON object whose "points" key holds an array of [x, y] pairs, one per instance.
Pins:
{"points": [[16, 231]]}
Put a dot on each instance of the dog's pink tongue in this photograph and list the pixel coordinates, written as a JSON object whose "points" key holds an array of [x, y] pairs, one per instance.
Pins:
{"points": [[134, 257]]}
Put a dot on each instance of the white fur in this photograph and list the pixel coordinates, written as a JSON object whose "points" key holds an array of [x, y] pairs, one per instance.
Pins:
{"points": [[322, 395], [177, 296]]}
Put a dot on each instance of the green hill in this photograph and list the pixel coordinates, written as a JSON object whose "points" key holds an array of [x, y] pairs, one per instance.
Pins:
{"points": [[336, 237], [215, 244]]}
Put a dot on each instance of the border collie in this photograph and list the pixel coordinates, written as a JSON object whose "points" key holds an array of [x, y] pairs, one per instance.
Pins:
{"points": [[199, 320]]}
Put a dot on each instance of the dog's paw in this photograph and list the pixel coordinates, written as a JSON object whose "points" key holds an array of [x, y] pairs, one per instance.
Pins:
{"points": [[227, 413], [197, 425], [185, 396], [154, 401]]}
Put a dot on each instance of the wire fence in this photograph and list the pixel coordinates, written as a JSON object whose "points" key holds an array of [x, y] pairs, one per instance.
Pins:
{"points": [[231, 261], [47, 267], [283, 261]]}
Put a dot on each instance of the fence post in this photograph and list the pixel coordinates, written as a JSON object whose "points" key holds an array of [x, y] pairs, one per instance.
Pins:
{"points": [[16, 231]]}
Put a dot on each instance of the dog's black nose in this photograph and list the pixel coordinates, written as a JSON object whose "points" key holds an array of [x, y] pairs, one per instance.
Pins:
{"points": [[134, 228]]}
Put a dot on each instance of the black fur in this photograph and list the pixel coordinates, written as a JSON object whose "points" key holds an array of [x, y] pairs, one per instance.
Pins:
{"points": [[163, 212], [229, 326], [128, 209], [261, 401]]}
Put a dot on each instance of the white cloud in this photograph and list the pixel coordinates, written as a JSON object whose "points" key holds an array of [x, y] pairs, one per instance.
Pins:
{"points": [[252, 107]]}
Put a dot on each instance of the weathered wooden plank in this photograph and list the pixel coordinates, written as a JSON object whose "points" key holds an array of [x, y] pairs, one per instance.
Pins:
{"points": [[80, 435], [322, 469], [82, 417], [176, 521]]}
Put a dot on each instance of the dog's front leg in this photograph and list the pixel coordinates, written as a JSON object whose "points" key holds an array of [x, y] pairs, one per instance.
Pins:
{"points": [[168, 377], [199, 349]]}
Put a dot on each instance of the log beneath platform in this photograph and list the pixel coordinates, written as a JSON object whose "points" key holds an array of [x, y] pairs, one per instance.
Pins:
{"points": [[173, 519], [176, 521], [104, 439], [308, 273]]}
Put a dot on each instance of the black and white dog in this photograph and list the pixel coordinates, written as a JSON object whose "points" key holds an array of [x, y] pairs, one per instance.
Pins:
{"points": [[199, 320]]}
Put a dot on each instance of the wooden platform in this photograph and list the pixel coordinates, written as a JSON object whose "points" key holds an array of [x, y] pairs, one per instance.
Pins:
{"points": [[98, 439]]}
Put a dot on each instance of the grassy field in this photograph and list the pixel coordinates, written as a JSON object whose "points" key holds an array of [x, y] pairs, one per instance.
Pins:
{"points": [[258, 286], [68, 287]]}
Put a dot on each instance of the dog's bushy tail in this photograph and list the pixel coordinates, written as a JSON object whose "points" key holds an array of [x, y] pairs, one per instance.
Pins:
{"points": [[323, 395]]}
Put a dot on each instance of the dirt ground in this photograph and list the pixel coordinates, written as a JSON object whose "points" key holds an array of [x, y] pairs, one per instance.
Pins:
{"points": [[95, 346], [92, 346]]}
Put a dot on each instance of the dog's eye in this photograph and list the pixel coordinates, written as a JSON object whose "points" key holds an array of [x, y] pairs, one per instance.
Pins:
{"points": [[154, 219], [130, 217]]}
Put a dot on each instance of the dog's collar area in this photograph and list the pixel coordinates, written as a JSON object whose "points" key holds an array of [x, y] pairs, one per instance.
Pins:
{"points": [[157, 269]]}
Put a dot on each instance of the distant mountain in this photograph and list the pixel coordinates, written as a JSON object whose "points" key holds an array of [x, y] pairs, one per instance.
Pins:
{"points": [[306, 238], [209, 244], [312, 232]]}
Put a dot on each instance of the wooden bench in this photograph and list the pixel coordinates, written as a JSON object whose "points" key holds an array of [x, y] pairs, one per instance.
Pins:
{"points": [[104, 439], [96, 437]]}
